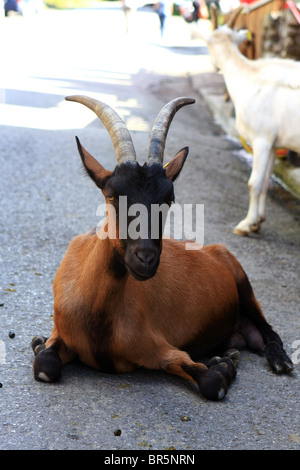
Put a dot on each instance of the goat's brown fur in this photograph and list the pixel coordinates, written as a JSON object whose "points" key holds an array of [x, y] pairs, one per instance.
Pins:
{"points": [[166, 310]]}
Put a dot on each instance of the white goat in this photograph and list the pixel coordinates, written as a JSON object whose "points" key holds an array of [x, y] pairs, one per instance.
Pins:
{"points": [[266, 97]]}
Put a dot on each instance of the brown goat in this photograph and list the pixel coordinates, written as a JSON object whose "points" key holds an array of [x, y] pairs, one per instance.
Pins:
{"points": [[123, 303]]}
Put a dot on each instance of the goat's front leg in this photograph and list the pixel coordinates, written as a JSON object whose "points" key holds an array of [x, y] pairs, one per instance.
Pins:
{"points": [[263, 194], [213, 379], [50, 355], [257, 187]]}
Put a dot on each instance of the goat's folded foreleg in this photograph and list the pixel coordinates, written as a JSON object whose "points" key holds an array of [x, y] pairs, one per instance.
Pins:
{"points": [[213, 379], [50, 355]]}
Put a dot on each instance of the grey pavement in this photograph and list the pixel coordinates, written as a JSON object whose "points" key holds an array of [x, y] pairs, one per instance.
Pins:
{"points": [[46, 200]]}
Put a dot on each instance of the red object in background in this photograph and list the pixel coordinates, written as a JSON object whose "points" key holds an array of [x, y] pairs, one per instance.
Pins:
{"points": [[294, 9]]}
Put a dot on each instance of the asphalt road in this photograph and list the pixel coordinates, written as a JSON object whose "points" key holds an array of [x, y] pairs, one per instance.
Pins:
{"points": [[46, 200]]}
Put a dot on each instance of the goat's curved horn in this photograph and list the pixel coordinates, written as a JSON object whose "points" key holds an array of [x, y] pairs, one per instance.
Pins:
{"points": [[233, 17], [115, 126], [161, 126], [214, 16]]}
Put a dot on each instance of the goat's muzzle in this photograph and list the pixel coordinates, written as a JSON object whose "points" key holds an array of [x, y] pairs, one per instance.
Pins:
{"points": [[142, 259]]}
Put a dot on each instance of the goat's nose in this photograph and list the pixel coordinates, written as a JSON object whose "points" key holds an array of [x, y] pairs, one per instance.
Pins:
{"points": [[147, 257]]}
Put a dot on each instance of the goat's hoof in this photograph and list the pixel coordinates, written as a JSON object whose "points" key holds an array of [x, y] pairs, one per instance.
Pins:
{"points": [[213, 361], [255, 227], [47, 366], [227, 368], [213, 385], [241, 233], [234, 355], [278, 359], [38, 344]]}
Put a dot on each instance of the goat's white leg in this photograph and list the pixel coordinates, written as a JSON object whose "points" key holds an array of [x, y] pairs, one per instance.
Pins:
{"points": [[263, 195], [261, 158]]}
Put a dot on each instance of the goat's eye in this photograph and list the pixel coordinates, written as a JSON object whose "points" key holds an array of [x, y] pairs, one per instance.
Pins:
{"points": [[110, 198]]}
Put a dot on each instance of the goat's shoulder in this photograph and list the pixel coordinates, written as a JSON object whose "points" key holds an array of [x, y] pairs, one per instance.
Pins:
{"points": [[221, 255], [73, 260], [217, 252], [176, 254], [79, 242]]}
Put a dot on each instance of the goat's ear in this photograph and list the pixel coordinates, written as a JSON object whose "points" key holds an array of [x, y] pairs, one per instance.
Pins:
{"points": [[93, 168], [174, 167]]}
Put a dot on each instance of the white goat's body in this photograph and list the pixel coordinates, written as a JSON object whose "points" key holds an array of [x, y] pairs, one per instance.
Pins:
{"points": [[266, 97], [268, 107]]}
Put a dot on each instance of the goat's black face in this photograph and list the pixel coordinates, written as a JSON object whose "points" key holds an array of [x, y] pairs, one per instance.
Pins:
{"points": [[136, 193], [139, 197]]}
